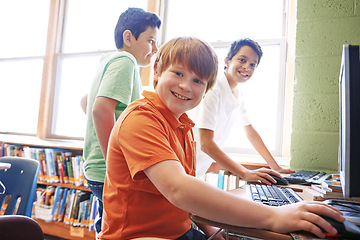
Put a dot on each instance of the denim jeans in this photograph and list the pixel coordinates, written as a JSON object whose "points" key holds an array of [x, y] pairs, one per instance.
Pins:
{"points": [[97, 189], [192, 234]]}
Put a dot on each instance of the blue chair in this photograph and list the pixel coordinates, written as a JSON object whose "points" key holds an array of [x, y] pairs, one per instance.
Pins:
{"points": [[20, 181]]}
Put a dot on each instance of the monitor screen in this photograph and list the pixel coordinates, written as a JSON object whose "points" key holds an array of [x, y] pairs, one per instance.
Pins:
{"points": [[349, 142]]}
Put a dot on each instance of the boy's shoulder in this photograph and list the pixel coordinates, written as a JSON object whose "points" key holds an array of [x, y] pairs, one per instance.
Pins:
{"points": [[119, 54], [115, 56]]}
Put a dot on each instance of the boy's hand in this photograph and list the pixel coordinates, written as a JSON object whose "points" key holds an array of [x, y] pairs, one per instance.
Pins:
{"points": [[261, 174], [304, 216]]}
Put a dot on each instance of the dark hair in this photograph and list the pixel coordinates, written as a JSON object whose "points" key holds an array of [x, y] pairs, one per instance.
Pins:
{"points": [[196, 55], [137, 21], [235, 48]]}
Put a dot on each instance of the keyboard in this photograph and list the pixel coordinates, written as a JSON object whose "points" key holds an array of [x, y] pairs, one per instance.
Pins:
{"points": [[305, 177], [273, 195], [350, 209]]}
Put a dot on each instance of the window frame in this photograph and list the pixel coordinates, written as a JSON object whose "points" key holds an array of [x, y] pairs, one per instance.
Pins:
{"points": [[157, 6], [51, 60]]}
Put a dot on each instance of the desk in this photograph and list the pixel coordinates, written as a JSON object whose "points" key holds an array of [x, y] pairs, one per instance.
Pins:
{"points": [[253, 232], [243, 231]]}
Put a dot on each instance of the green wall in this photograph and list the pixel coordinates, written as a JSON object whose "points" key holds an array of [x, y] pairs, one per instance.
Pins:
{"points": [[323, 26]]}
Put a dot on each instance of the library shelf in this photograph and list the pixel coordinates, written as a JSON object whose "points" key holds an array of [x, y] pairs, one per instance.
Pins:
{"points": [[60, 229], [53, 228]]}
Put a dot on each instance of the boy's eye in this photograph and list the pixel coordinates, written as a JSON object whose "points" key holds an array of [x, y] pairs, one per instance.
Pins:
{"points": [[197, 81], [253, 65], [179, 74]]}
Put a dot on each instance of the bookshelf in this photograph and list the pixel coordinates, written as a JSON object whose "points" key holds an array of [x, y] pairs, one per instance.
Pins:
{"points": [[55, 227]]}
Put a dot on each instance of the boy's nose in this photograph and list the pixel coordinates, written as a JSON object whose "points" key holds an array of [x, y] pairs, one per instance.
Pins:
{"points": [[155, 49], [246, 67], [185, 85]]}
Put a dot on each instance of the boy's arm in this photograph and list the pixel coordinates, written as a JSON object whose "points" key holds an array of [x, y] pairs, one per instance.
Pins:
{"points": [[209, 147], [260, 147], [83, 103], [104, 120], [198, 197]]}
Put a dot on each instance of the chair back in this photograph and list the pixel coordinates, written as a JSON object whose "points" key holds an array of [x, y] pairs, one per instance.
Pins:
{"points": [[20, 228], [20, 181]]}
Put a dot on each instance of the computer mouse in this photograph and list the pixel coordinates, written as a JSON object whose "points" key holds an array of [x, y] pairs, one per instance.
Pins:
{"points": [[279, 181], [344, 229]]}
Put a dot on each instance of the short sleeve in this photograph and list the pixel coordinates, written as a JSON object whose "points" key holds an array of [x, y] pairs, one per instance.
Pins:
{"points": [[118, 80]]}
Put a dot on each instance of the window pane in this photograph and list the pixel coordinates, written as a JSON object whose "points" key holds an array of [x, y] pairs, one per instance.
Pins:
{"points": [[20, 83], [23, 27], [225, 20], [93, 29], [75, 78]]}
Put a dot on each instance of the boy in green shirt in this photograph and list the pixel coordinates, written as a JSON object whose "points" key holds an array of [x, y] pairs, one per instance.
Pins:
{"points": [[117, 83]]}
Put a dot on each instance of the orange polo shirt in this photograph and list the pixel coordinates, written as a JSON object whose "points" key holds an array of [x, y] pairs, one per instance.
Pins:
{"points": [[145, 134]]}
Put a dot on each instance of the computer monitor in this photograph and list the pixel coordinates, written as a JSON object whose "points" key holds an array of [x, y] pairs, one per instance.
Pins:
{"points": [[349, 143]]}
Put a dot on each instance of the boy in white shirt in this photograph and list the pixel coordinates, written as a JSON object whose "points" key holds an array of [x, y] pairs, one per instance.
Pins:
{"points": [[223, 107]]}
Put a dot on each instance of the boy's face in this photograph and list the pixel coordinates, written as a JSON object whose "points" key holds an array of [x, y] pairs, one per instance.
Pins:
{"points": [[145, 47], [242, 66], [180, 89]]}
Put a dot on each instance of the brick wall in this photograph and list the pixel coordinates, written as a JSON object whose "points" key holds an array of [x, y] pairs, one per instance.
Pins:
{"points": [[323, 26]]}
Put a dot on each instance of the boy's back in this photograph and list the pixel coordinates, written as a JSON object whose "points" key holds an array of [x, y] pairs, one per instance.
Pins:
{"points": [[123, 91]]}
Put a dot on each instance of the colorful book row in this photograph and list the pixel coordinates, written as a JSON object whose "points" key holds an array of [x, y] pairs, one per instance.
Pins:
{"points": [[224, 180], [57, 165], [70, 206]]}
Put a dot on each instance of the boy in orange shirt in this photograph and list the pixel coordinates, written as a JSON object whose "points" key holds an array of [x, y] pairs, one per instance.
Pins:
{"points": [[150, 184]]}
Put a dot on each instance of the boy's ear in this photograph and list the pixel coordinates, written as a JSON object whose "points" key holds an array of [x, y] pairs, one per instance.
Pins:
{"points": [[127, 37], [156, 75], [226, 60]]}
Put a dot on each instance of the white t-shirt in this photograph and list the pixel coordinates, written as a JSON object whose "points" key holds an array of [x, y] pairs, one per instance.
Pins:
{"points": [[218, 112]]}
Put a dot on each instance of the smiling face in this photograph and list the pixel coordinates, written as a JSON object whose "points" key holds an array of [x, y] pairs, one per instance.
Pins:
{"points": [[180, 89], [241, 67], [144, 48]]}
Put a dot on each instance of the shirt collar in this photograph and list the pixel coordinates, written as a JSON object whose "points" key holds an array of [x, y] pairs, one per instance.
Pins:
{"points": [[184, 123]]}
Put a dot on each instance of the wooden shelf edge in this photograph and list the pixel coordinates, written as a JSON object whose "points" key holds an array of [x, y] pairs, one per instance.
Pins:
{"points": [[63, 230], [35, 141], [65, 185]]}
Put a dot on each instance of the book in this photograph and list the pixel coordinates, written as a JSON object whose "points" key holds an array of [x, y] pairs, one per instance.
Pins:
{"points": [[63, 205], [321, 189], [93, 212], [212, 179], [74, 219], [309, 194], [50, 157], [334, 185], [56, 204], [60, 167], [69, 207], [221, 179]]}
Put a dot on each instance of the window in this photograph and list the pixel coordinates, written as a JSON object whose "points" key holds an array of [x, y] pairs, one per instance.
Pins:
{"points": [[22, 48], [83, 41], [221, 23], [55, 47]]}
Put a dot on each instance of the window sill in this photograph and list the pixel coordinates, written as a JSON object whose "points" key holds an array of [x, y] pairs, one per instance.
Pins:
{"points": [[35, 141], [256, 161]]}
